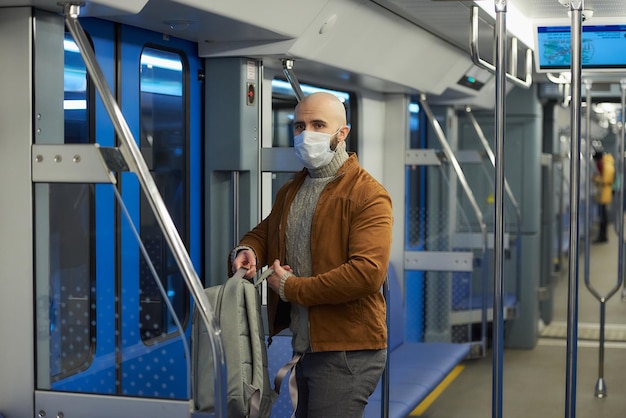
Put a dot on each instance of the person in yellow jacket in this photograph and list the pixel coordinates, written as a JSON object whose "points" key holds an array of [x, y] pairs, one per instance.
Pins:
{"points": [[603, 180]]}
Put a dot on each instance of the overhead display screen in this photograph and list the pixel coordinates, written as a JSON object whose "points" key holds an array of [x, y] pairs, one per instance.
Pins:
{"points": [[603, 47]]}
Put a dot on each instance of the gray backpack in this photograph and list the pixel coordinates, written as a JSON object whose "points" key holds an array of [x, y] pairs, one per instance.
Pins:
{"points": [[237, 310]]}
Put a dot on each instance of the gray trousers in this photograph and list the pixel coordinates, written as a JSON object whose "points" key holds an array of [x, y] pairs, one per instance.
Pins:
{"points": [[337, 383]]}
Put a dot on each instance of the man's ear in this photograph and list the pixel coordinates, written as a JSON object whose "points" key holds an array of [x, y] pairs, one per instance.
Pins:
{"points": [[344, 131]]}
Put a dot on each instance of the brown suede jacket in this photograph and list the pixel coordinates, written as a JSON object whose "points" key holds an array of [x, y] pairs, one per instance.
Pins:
{"points": [[350, 246]]}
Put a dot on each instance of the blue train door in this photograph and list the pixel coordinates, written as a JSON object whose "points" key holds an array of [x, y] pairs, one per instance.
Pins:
{"points": [[128, 338], [160, 96]]}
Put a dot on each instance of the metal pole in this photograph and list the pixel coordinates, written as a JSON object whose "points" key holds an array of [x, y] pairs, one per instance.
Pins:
{"points": [[293, 80], [384, 404], [620, 203], [600, 391], [576, 7], [132, 155], [498, 245], [235, 189], [587, 177], [560, 212]]}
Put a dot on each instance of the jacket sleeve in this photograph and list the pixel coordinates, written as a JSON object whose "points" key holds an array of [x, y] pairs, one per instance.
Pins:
{"points": [[360, 267], [257, 240]]}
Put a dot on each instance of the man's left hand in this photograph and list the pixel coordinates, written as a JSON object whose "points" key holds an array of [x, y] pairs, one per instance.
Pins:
{"points": [[273, 281]]}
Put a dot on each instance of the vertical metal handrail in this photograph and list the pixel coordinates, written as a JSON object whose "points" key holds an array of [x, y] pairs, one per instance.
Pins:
{"points": [[133, 158], [384, 404], [293, 80], [620, 204], [562, 187], [576, 8], [498, 292], [587, 177], [235, 177], [447, 150]]}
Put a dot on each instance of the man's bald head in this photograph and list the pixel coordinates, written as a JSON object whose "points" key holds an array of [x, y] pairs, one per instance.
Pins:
{"points": [[333, 106], [321, 112]]}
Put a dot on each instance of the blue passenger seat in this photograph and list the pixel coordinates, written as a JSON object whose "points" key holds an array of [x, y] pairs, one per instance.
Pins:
{"points": [[415, 368]]}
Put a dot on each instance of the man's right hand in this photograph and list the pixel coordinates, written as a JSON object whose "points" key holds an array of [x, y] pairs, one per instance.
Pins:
{"points": [[245, 259]]}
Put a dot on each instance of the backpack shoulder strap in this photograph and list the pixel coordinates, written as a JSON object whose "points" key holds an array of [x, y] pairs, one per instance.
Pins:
{"points": [[289, 367], [267, 273], [220, 296]]}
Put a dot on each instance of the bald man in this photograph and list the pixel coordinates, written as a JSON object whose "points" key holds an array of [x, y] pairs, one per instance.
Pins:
{"points": [[327, 239]]}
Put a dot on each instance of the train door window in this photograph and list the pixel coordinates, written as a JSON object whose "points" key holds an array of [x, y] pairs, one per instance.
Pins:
{"points": [[415, 179], [164, 146], [71, 220], [284, 102]]}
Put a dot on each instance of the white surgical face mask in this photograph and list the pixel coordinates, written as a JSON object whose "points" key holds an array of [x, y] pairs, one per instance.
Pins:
{"points": [[313, 148]]}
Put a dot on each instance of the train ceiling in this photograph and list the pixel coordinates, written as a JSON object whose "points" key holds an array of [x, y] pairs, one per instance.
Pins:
{"points": [[208, 22], [450, 20], [447, 19]]}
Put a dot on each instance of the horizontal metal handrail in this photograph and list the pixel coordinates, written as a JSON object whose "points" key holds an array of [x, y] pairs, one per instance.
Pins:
{"points": [[475, 54]]}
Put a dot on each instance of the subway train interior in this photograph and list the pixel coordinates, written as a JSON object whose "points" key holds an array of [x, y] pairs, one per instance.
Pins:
{"points": [[480, 118]]}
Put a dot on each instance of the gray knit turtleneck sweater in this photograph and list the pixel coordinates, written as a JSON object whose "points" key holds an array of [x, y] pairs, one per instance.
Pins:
{"points": [[298, 237]]}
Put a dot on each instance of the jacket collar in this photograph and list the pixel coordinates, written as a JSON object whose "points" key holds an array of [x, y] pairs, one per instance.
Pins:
{"points": [[351, 163]]}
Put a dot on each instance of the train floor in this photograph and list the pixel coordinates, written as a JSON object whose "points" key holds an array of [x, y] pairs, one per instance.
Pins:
{"points": [[534, 382]]}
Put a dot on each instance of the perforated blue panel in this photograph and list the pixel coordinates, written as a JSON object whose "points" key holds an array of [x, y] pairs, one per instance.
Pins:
{"points": [[278, 354]]}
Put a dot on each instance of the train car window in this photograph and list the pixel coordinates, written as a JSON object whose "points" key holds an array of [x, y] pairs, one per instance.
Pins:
{"points": [[72, 245], [415, 179], [164, 145], [71, 309], [283, 103]]}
